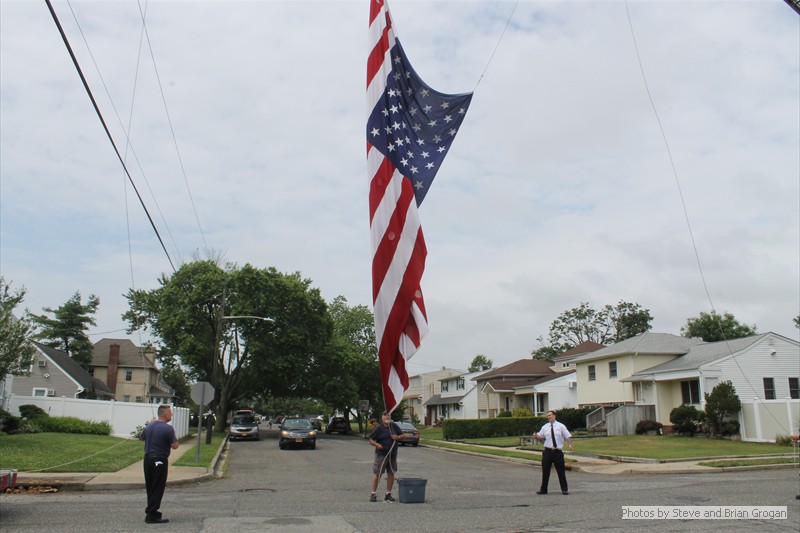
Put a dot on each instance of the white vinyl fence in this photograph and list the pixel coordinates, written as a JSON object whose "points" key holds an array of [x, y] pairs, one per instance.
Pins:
{"points": [[124, 417], [765, 420]]}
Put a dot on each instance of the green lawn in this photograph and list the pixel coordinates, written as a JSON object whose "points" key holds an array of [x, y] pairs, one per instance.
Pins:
{"points": [[67, 452]]}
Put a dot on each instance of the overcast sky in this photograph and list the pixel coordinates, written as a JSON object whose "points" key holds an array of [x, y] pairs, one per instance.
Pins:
{"points": [[559, 188]]}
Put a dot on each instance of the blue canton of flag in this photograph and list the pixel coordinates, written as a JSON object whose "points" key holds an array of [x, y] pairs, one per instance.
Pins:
{"points": [[414, 125]]}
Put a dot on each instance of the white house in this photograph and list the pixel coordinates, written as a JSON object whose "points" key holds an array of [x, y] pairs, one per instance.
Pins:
{"points": [[421, 387], [550, 392], [457, 399]]}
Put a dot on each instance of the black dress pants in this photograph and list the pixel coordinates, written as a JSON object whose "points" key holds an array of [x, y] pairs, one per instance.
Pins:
{"points": [[155, 479], [552, 457]]}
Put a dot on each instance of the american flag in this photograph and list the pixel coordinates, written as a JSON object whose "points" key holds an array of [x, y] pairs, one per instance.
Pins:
{"points": [[409, 131]]}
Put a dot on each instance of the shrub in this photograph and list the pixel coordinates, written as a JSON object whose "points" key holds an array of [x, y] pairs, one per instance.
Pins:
{"points": [[722, 403], [475, 428], [69, 424], [8, 422], [643, 426], [521, 412], [686, 419], [783, 440], [504, 414], [731, 427], [573, 418], [31, 412]]}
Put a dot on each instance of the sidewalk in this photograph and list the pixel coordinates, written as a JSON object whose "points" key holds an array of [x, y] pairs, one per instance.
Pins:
{"points": [[131, 477]]}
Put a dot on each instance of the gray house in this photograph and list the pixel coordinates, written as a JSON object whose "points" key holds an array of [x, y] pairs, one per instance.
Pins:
{"points": [[54, 373]]}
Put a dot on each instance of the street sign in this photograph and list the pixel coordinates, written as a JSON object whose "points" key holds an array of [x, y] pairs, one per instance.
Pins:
{"points": [[202, 393]]}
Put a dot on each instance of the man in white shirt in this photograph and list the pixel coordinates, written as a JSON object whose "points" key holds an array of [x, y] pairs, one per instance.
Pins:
{"points": [[554, 434]]}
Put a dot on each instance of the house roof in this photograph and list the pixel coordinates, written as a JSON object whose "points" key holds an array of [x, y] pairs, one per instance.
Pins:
{"points": [[130, 355], [437, 399], [74, 370], [699, 355], [644, 344], [583, 348], [504, 385], [524, 368]]}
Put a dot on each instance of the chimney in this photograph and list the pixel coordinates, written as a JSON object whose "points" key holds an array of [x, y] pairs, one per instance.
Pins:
{"points": [[113, 365]]}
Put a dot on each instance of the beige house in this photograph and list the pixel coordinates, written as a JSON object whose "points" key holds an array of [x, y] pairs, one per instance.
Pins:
{"points": [[646, 376], [55, 374], [129, 371], [421, 388], [497, 388]]}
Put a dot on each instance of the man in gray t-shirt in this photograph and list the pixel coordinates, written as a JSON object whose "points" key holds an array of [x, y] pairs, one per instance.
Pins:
{"points": [[159, 439]]}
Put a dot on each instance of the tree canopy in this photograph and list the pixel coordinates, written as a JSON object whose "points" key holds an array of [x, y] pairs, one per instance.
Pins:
{"points": [[66, 330], [16, 351], [479, 363], [203, 314], [712, 327], [609, 325]]}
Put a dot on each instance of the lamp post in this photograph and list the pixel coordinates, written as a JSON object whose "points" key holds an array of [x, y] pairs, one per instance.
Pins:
{"points": [[217, 339]]}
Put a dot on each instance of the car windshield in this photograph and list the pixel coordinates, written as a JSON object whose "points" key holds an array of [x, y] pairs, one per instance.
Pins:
{"points": [[243, 419], [296, 423]]}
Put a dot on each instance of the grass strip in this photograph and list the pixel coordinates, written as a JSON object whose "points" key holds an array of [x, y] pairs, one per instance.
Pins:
{"points": [[499, 452], [727, 463], [207, 451]]}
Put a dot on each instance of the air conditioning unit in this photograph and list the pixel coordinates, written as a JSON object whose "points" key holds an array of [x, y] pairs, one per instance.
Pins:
{"points": [[51, 392], [42, 362], [572, 384]]}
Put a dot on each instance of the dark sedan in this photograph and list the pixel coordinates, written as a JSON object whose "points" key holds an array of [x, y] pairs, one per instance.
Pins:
{"points": [[243, 427], [410, 434], [338, 424], [297, 432]]}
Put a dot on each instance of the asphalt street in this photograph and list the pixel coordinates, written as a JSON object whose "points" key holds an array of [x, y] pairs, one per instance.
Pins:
{"points": [[327, 489]]}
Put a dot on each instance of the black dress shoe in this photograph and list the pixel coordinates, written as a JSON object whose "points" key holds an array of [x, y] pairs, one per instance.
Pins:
{"points": [[565, 492], [541, 492], [159, 520]]}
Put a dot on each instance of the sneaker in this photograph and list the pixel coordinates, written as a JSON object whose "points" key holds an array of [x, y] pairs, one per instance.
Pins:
{"points": [[388, 497], [373, 498]]}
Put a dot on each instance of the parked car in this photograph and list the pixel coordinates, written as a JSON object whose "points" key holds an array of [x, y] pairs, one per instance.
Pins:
{"points": [[243, 427], [410, 434], [297, 432], [316, 422], [338, 424]]}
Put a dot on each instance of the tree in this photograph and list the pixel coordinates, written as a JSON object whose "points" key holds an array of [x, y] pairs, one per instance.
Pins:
{"points": [[721, 404], [67, 329], [712, 327], [16, 351], [350, 372], [194, 311], [609, 325], [480, 363]]}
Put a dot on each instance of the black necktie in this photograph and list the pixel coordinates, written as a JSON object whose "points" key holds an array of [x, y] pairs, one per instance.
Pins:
{"points": [[553, 436]]}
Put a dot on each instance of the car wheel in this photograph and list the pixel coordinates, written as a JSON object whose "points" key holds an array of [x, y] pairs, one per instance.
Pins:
{"points": [[282, 446], [415, 444], [313, 446]]}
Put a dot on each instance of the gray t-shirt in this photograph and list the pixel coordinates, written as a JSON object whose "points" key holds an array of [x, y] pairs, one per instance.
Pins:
{"points": [[158, 437]]}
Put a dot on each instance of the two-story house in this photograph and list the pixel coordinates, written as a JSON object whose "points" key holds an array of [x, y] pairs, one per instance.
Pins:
{"points": [[457, 399], [496, 389], [129, 371], [421, 387], [54, 373]]}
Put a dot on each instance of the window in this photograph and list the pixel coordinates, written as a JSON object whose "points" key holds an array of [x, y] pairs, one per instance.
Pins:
{"points": [[128, 375], [445, 386], [461, 384], [690, 391], [456, 407], [794, 388], [126, 398], [139, 399], [769, 388], [91, 371], [612, 369], [39, 392], [592, 373]]}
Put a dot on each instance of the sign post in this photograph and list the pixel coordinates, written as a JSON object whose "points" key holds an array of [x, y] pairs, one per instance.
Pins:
{"points": [[202, 394]]}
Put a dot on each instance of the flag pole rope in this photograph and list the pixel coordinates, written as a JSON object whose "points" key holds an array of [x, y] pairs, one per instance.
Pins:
{"points": [[508, 22]]}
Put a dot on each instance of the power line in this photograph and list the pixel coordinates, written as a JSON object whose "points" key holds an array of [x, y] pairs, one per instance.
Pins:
{"points": [[105, 128]]}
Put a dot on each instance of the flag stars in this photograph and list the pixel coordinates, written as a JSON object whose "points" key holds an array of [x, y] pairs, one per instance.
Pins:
{"points": [[425, 93], [432, 123], [425, 155], [448, 119], [414, 170], [441, 149], [445, 105], [419, 185], [427, 109], [430, 165], [437, 139], [394, 109], [375, 132]]}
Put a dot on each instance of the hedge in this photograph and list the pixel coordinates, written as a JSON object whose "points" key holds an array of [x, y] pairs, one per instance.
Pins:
{"points": [[478, 428]]}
